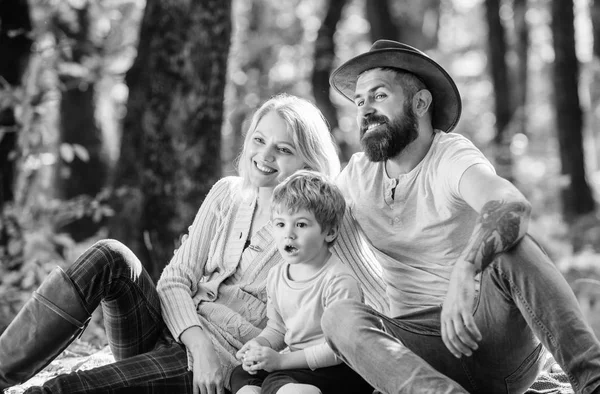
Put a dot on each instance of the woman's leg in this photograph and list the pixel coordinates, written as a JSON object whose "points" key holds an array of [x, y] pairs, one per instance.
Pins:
{"points": [[107, 272], [148, 359], [161, 370], [50, 320]]}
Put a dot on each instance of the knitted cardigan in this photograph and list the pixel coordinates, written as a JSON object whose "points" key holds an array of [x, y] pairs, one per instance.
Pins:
{"points": [[214, 283]]}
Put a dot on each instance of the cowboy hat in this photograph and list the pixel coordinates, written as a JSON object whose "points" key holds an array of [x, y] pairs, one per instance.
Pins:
{"points": [[447, 104]]}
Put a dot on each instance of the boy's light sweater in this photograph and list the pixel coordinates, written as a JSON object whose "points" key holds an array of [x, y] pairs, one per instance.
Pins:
{"points": [[295, 308]]}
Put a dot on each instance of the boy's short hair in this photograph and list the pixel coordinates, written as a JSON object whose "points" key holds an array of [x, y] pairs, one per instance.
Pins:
{"points": [[314, 192]]}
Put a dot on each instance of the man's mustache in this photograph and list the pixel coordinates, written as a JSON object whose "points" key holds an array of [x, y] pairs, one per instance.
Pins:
{"points": [[370, 119]]}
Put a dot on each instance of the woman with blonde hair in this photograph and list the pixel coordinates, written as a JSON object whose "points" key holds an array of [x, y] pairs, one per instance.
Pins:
{"points": [[182, 334]]}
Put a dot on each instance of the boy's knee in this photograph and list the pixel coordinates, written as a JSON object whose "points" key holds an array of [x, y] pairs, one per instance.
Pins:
{"points": [[297, 388], [249, 390]]}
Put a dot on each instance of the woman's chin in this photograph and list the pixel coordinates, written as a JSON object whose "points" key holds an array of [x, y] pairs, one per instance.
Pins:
{"points": [[260, 182]]}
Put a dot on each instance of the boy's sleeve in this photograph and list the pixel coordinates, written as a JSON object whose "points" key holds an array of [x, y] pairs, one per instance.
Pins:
{"points": [[341, 286], [321, 356]]}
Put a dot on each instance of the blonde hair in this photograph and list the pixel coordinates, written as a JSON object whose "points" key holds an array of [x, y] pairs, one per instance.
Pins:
{"points": [[313, 192], [309, 132]]}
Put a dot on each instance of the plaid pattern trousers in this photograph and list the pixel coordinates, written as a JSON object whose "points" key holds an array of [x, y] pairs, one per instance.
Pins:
{"points": [[148, 359]]}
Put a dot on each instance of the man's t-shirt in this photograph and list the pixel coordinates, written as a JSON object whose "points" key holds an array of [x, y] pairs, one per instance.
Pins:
{"points": [[418, 222]]}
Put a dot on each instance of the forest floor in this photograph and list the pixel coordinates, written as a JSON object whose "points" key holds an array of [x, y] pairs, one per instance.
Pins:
{"points": [[91, 351], [79, 356]]}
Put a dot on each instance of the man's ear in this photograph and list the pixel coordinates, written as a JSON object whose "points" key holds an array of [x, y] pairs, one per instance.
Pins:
{"points": [[332, 234], [421, 102]]}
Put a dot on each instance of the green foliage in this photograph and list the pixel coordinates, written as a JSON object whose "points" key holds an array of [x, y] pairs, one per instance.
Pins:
{"points": [[30, 247]]}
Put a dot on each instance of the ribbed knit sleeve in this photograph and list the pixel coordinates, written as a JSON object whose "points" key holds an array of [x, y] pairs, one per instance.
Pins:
{"points": [[274, 332], [353, 248], [180, 279]]}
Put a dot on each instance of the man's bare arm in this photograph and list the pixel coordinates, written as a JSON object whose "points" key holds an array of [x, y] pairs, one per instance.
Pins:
{"points": [[499, 227]]}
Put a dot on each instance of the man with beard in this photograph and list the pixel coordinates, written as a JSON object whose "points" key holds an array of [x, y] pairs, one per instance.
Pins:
{"points": [[474, 301]]}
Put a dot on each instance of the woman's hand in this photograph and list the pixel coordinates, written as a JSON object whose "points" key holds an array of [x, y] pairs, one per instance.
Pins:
{"points": [[206, 367]]}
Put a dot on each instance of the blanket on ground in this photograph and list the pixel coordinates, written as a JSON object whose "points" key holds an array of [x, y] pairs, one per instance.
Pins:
{"points": [[80, 356]]}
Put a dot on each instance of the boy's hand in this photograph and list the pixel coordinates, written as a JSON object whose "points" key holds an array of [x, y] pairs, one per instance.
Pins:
{"points": [[248, 367], [251, 344], [262, 357]]}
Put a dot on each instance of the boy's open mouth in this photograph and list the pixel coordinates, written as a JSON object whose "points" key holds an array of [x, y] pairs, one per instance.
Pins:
{"points": [[290, 249]]}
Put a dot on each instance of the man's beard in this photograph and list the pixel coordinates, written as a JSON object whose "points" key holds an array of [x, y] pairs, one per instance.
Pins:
{"points": [[392, 137]]}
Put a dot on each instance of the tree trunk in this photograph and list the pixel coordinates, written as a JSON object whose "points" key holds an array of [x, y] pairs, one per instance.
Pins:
{"points": [[170, 155], [15, 26], [594, 85], [80, 173], [576, 195], [414, 23], [500, 81], [255, 47], [595, 14], [323, 66], [522, 51], [380, 18]]}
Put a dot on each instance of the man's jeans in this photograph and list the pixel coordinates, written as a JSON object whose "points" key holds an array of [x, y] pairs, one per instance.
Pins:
{"points": [[524, 303]]}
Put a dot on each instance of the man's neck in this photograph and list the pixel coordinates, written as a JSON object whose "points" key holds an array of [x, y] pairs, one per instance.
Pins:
{"points": [[411, 156]]}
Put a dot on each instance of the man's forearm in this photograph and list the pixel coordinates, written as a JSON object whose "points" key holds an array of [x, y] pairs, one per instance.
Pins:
{"points": [[499, 227]]}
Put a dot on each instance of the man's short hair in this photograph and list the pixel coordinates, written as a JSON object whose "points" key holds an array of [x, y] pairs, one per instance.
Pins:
{"points": [[313, 192]]}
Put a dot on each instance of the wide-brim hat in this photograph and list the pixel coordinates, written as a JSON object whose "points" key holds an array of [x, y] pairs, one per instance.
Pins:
{"points": [[447, 105]]}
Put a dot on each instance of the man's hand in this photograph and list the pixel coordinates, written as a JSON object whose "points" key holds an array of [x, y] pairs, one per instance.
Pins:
{"points": [[262, 357], [459, 331]]}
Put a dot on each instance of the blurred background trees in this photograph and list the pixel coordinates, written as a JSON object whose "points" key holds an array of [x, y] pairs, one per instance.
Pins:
{"points": [[116, 116]]}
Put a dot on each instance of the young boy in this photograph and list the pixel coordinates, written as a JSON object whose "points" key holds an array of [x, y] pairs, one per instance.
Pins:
{"points": [[306, 210]]}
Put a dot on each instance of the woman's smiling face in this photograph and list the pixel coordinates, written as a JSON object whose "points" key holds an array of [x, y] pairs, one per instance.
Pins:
{"points": [[272, 152]]}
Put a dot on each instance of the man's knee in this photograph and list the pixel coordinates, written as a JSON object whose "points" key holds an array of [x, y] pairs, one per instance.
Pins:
{"points": [[297, 388], [337, 317], [526, 257]]}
